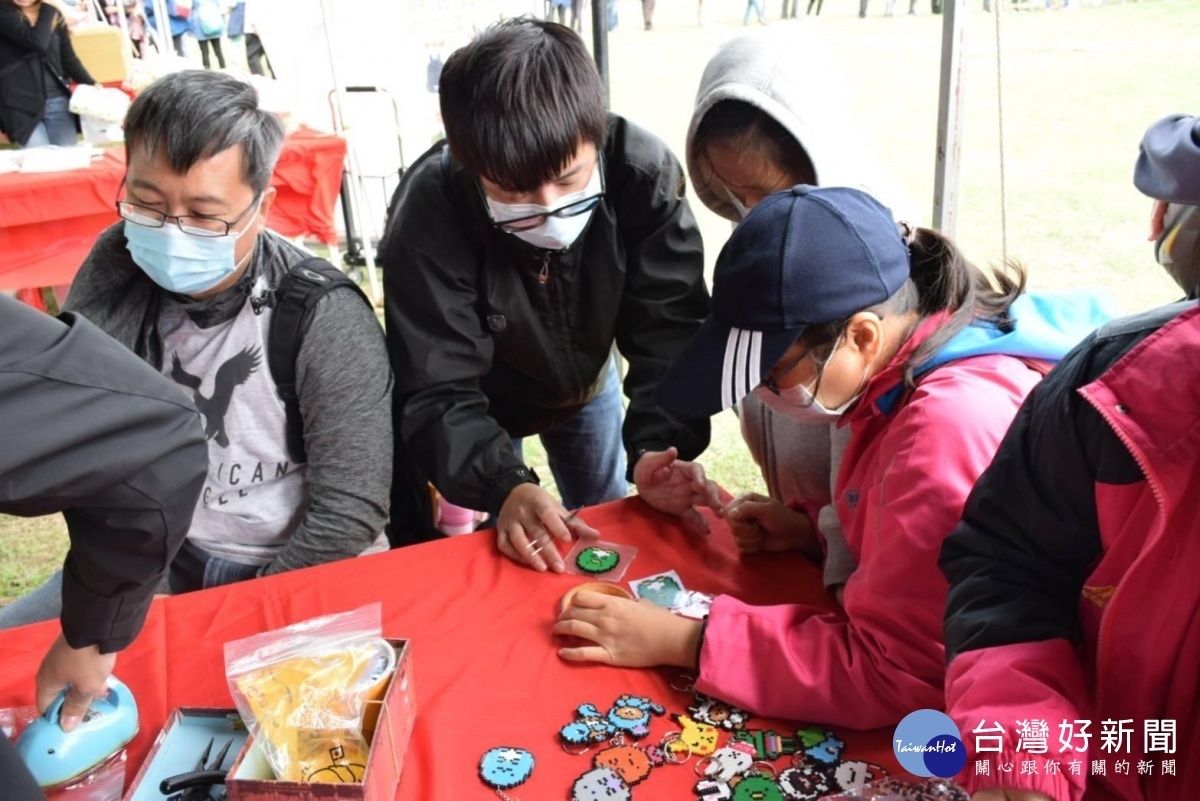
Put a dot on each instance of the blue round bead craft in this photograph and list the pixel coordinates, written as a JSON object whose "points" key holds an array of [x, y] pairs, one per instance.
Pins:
{"points": [[505, 767]]}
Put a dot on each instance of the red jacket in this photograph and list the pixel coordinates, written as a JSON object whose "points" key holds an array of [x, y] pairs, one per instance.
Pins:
{"points": [[903, 482], [1074, 594]]}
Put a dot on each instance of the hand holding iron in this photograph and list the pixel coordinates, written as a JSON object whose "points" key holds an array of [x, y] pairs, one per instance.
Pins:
{"points": [[84, 669]]}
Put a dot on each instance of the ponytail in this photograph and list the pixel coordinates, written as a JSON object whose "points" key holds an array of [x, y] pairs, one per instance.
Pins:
{"points": [[941, 280]]}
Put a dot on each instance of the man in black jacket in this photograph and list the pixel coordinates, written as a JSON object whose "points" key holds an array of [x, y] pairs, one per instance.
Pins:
{"points": [[91, 431], [541, 237]]}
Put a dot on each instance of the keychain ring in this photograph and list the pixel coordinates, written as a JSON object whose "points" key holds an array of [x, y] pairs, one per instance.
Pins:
{"points": [[586, 747], [689, 687], [769, 767], [668, 740], [700, 768]]}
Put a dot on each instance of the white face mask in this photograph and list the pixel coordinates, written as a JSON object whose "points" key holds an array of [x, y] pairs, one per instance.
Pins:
{"points": [[801, 405], [737, 204], [556, 233]]}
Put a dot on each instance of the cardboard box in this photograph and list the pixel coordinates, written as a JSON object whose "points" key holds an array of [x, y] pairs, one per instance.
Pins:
{"points": [[107, 54], [389, 745], [180, 744]]}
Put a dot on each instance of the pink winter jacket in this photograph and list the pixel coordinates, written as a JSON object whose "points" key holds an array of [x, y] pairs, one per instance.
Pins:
{"points": [[1075, 594], [900, 491]]}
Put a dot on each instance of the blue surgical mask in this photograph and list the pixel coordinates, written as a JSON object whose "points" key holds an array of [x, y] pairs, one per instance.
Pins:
{"points": [[182, 263]]}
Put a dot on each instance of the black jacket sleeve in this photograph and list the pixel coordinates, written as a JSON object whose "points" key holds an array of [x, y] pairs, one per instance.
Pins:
{"points": [[439, 348], [92, 431], [1030, 535], [34, 38], [665, 298], [72, 66]]}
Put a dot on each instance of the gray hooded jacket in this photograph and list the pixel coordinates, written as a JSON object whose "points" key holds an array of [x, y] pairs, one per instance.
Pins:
{"points": [[788, 75]]}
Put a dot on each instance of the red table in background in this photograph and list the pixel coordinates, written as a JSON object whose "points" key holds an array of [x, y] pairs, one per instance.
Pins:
{"points": [[485, 668], [48, 221]]}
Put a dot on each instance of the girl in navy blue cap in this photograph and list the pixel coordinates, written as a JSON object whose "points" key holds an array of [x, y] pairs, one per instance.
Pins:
{"points": [[820, 301]]}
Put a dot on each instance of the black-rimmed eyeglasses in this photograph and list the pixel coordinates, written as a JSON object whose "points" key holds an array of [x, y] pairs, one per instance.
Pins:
{"points": [[527, 223], [192, 224]]}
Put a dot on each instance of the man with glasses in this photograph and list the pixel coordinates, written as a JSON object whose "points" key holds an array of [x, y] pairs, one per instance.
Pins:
{"points": [[542, 238], [187, 280]]}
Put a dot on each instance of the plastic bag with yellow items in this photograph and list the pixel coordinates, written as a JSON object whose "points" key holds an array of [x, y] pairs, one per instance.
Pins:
{"points": [[302, 690]]}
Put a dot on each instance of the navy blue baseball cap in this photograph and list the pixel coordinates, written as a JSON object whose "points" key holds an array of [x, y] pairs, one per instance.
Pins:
{"points": [[805, 256]]}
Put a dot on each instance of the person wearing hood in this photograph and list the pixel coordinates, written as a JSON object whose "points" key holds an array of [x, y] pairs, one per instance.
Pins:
{"points": [[1168, 170], [1072, 593], [822, 300], [760, 127]]}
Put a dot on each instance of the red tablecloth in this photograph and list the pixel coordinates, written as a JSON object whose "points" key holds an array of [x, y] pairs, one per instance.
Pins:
{"points": [[485, 668], [48, 221]]}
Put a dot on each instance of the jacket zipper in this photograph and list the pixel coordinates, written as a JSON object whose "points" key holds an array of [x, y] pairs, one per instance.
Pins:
{"points": [[1160, 526], [561, 319]]}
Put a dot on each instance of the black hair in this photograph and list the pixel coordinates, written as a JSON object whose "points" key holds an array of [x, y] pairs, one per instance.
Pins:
{"points": [[940, 280], [193, 115], [519, 100], [736, 123]]}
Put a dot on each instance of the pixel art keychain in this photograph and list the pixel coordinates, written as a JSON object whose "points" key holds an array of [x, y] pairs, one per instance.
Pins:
{"points": [[607, 560], [504, 767]]}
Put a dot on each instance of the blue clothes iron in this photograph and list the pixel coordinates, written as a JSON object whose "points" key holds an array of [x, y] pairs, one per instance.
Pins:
{"points": [[56, 757]]}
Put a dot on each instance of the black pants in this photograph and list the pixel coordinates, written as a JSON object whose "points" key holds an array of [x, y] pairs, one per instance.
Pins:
{"points": [[216, 46], [178, 42], [411, 519], [255, 53], [18, 783]]}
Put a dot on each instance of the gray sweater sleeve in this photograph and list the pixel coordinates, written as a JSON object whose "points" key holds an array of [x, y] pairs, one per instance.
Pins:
{"points": [[345, 388], [839, 561], [1168, 167]]}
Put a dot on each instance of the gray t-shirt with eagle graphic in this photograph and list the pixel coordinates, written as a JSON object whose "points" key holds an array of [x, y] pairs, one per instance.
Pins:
{"points": [[257, 506]]}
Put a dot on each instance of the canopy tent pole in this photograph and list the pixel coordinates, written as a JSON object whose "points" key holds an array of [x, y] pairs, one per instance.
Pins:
{"points": [[357, 202], [122, 19], [950, 117], [600, 43], [163, 25], [1000, 140]]}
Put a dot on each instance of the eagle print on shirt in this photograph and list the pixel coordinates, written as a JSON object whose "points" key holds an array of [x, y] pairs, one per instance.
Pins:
{"points": [[230, 375]]}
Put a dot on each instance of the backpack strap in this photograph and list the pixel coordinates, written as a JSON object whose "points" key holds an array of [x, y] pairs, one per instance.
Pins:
{"points": [[295, 297]]}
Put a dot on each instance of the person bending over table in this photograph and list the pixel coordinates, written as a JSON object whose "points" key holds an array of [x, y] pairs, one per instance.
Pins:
{"points": [[92, 432], [768, 116], [543, 237], [188, 282], [1072, 588], [929, 360]]}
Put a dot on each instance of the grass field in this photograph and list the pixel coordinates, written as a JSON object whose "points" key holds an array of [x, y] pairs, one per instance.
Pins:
{"points": [[1079, 87]]}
